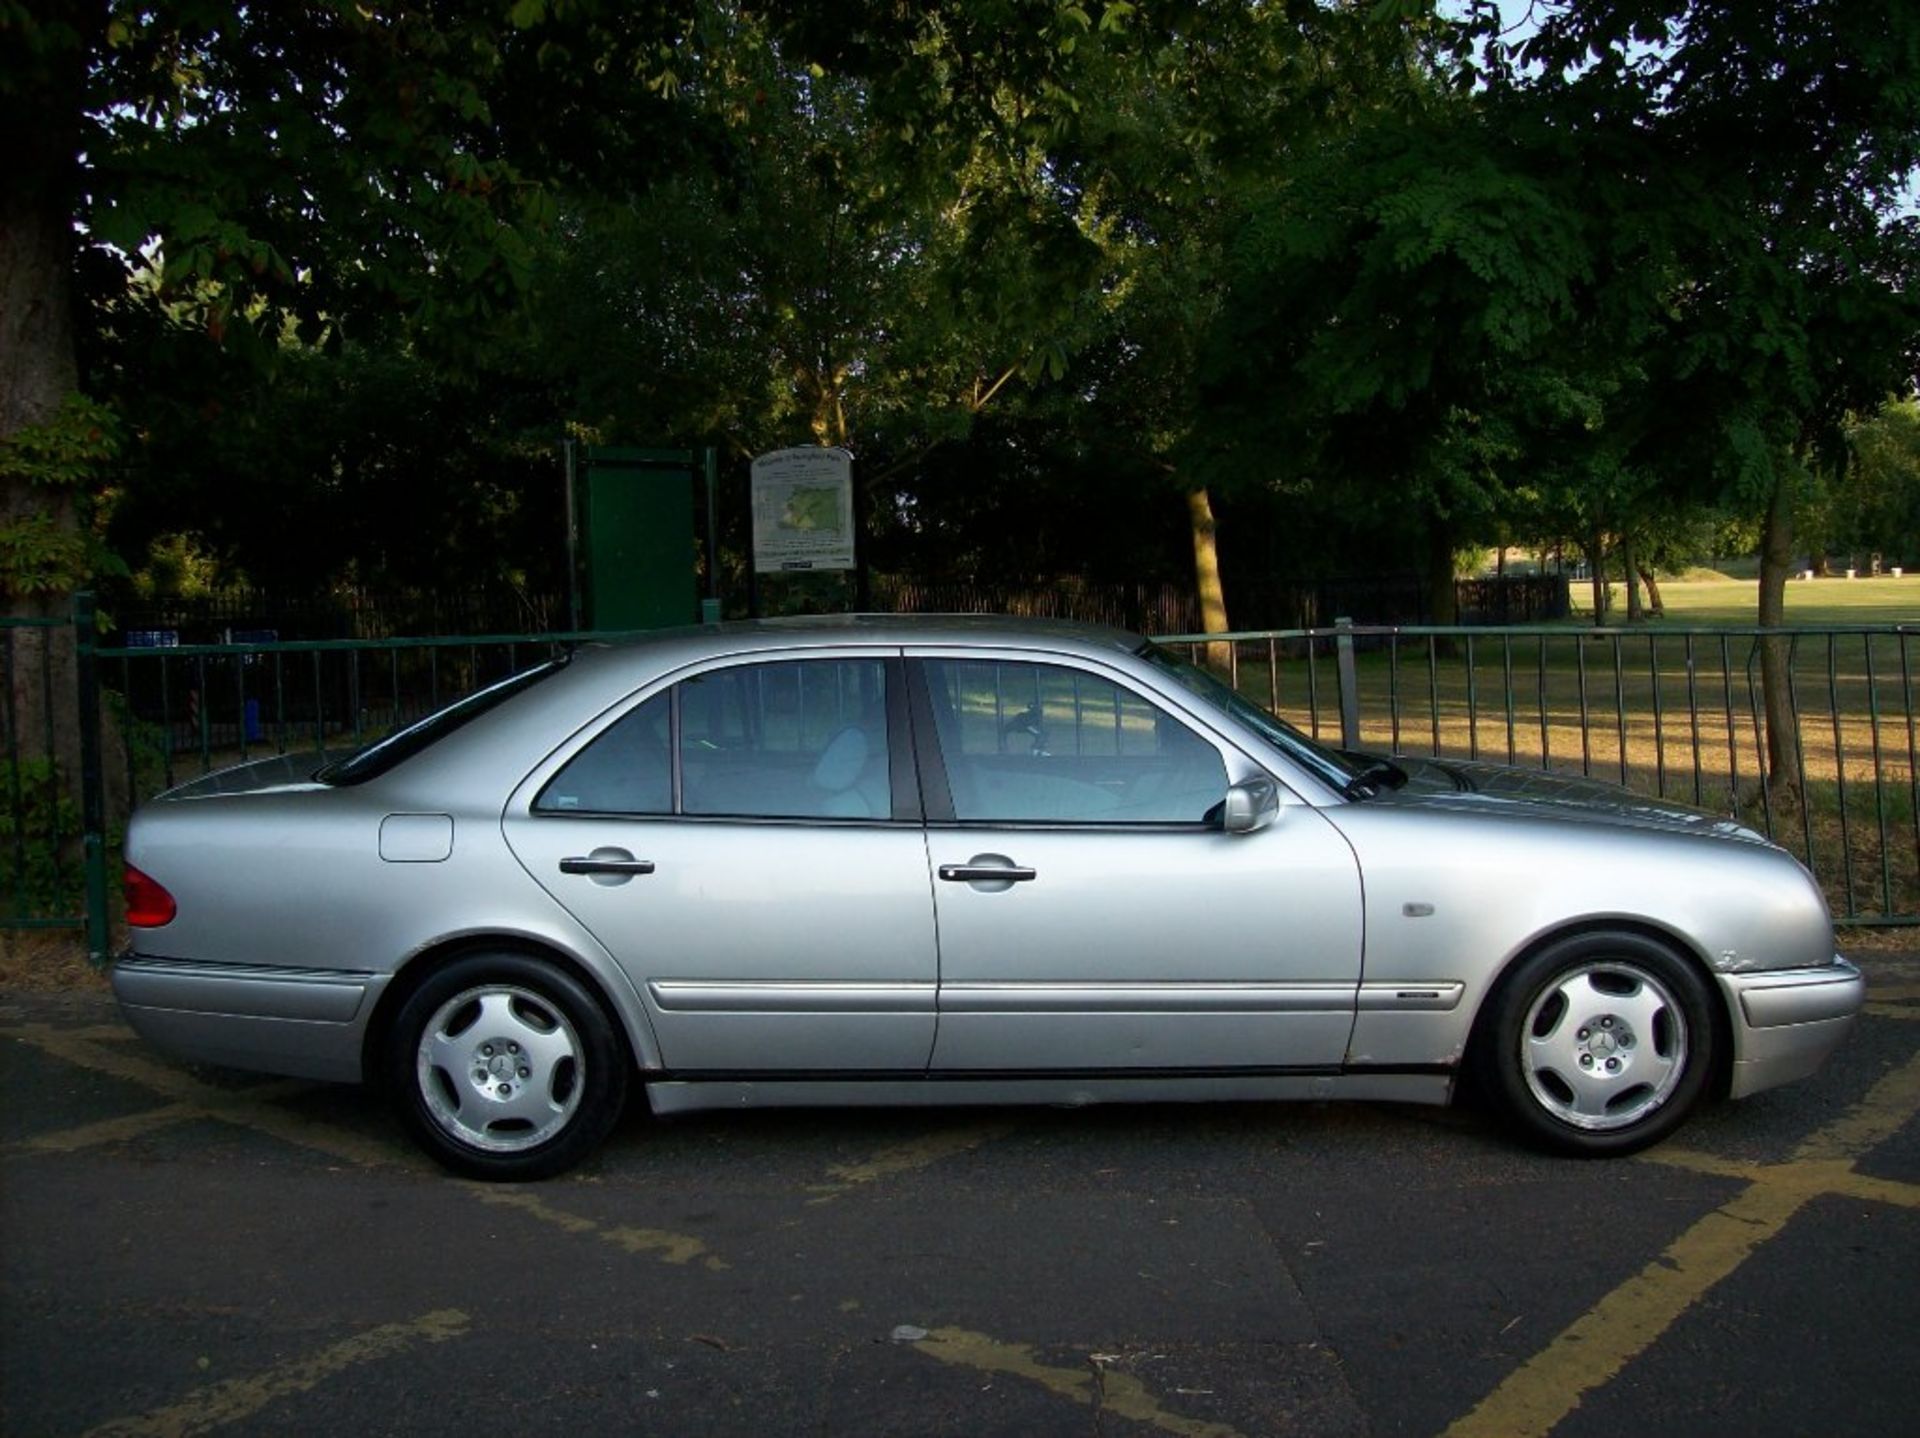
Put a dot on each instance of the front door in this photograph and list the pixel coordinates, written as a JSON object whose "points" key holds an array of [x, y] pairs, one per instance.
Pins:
{"points": [[1092, 914]]}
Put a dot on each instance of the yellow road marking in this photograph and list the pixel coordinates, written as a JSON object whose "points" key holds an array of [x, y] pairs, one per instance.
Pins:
{"points": [[677, 1248], [134, 1125], [237, 1398], [1111, 1392], [533, 1204], [672, 1247], [1885, 974], [1590, 1352], [112, 1033], [1876, 1118], [253, 1107], [113, 1130], [86, 1050], [1879, 1190], [1532, 1400], [1883, 993], [1893, 1011], [906, 1157]]}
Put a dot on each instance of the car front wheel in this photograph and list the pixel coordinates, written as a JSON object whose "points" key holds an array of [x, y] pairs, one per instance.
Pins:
{"points": [[1599, 1044], [506, 1068]]}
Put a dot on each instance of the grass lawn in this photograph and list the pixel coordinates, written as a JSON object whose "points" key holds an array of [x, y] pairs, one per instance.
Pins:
{"points": [[1810, 602]]}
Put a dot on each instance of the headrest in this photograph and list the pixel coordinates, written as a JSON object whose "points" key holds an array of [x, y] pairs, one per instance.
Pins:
{"points": [[842, 760]]}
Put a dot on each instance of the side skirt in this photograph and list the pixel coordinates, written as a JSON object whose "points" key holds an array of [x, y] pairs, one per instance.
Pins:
{"points": [[1426, 1086]]}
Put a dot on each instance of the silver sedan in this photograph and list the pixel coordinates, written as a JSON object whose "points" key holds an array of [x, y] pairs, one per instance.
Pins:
{"points": [[878, 860]]}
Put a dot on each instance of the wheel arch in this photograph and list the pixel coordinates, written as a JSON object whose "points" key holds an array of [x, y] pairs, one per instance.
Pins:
{"points": [[1681, 946], [436, 956]]}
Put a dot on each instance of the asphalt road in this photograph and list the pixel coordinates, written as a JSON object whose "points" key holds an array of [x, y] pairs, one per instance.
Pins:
{"points": [[190, 1251]]}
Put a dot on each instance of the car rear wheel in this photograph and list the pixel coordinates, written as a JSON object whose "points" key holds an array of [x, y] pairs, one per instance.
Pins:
{"points": [[1599, 1044], [505, 1067]]}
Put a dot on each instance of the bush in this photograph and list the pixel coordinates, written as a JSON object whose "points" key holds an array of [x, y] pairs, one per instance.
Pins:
{"points": [[41, 873]]}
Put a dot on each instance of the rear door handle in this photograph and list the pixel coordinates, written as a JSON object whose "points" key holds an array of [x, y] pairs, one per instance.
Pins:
{"points": [[987, 873], [598, 864]]}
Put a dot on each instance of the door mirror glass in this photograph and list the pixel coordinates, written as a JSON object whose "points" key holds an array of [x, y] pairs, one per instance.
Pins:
{"points": [[1251, 804]]}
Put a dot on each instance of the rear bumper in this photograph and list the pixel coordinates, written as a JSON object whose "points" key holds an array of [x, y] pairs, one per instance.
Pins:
{"points": [[303, 1023], [1786, 1022]]}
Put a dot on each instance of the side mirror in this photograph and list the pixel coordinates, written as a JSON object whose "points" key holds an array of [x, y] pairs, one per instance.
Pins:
{"points": [[1251, 804]]}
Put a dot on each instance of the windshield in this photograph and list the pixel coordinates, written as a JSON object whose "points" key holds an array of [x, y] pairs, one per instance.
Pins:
{"points": [[383, 754], [1328, 765]]}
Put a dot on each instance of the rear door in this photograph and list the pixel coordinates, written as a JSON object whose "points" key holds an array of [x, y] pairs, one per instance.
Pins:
{"points": [[747, 844], [1093, 916]]}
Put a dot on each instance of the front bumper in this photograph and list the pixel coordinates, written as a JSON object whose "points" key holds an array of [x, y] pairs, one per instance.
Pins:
{"points": [[300, 1022], [1786, 1021]]}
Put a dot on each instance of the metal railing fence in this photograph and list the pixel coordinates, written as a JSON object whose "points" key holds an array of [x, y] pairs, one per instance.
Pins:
{"points": [[1677, 713], [192, 708], [1670, 712], [42, 859]]}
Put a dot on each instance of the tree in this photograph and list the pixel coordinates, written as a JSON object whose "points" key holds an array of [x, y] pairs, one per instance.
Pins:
{"points": [[1764, 151], [264, 173], [1400, 302], [50, 440], [1177, 133], [1868, 505]]}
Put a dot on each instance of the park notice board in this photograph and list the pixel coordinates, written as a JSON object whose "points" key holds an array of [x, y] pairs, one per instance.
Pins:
{"points": [[802, 510]]}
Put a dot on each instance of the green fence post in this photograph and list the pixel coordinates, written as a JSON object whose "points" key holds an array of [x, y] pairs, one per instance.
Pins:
{"points": [[93, 807]]}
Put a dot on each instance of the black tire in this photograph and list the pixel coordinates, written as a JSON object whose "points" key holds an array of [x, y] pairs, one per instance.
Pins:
{"points": [[1600, 1044], [506, 1068]]}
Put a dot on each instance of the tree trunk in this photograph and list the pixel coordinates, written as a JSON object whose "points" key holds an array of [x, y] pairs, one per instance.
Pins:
{"points": [[40, 114], [1443, 593], [1783, 725], [1655, 605], [1206, 575], [1597, 563], [1631, 569]]}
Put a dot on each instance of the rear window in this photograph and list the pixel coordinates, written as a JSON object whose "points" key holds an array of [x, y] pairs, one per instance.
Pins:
{"points": [[383, 754]]}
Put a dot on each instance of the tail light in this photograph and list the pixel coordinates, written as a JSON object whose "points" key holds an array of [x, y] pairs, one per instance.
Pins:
{"points": [[149, 905]]}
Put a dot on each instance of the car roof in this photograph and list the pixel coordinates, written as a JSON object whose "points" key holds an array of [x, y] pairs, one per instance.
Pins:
{"points": [[832, 630]]}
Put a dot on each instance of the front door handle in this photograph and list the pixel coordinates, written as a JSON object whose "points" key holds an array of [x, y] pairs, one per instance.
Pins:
{"points": [[987, 873]]}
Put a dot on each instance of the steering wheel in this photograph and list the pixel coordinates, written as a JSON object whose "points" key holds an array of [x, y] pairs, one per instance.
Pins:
{"points": [[1028, 722]]}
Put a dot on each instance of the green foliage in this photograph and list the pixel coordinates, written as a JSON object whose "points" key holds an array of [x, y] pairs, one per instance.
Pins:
{"points": [[345, 465], [66, 461], [1646, 267], [40, 871], [1375, 275], [67, 452], [339, 169], [39, 555], [1869, 503]]}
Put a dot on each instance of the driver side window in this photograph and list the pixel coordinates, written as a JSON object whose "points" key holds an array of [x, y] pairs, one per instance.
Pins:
{"points": [[1044, 743]]}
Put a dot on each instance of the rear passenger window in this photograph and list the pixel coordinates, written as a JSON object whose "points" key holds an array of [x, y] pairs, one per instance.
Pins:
{"points": [[803, 739]]}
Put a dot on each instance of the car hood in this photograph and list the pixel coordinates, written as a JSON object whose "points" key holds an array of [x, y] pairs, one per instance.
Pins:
{"points": [[277, 772], [1530, 793]]}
